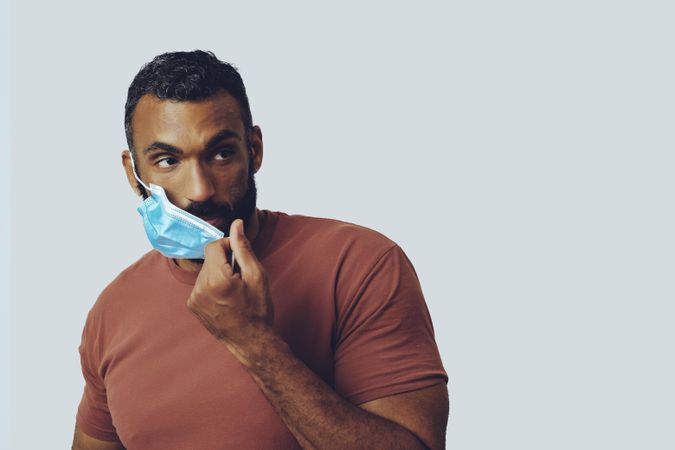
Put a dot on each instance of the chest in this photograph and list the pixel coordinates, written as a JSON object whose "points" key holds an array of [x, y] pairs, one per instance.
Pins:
{"points": [[171, 384]]}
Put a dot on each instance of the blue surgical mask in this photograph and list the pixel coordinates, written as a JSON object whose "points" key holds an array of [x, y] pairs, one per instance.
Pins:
{"points": [[174, 232]]}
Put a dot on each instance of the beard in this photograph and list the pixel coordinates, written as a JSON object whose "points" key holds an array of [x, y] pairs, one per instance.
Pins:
{"points": [[226, 213]]}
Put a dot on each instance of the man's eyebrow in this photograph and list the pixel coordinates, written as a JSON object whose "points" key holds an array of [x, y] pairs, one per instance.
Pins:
{"points": [[214, 141], [219, 136], [157, 145]]}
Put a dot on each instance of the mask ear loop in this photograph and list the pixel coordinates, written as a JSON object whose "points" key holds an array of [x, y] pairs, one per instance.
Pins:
{"points": [[133, 168]]}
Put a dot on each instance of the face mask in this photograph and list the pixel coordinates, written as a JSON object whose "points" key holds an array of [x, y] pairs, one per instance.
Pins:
{"points": [[175, 233]]}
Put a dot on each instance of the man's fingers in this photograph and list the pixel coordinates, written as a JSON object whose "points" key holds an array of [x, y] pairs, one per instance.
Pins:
{"points": [[216, 251], [243, 251]]}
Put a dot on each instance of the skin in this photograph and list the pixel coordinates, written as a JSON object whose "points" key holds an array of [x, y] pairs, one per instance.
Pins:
{"points": [[237, 308]]}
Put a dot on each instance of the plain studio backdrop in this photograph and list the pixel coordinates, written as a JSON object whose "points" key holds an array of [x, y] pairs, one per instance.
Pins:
{"points": [[521, 153]]}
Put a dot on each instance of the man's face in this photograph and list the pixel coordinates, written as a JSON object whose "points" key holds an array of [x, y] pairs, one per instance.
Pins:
{"points": [[198, 152]]}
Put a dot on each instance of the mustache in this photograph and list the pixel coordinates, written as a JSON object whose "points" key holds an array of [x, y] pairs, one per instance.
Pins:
{"points": [[209, 208]]}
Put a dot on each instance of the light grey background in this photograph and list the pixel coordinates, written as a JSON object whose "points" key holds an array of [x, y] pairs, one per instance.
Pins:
{"points": [[4, 226], [520, 152]]}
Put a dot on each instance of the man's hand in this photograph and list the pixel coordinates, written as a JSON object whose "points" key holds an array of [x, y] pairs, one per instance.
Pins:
{"points": [[234, 307]]}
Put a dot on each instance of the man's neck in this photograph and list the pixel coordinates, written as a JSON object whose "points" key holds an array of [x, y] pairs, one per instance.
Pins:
{"points": [[251, 229]]}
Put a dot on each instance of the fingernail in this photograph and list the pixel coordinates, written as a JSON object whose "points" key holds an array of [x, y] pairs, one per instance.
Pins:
{"points": [[240, 227]]}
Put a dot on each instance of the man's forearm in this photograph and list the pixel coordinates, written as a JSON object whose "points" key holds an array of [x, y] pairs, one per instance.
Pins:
{"points": [[317, 416]]}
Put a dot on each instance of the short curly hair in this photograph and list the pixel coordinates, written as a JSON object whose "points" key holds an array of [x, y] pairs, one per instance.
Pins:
{"points": [[185, 76]]}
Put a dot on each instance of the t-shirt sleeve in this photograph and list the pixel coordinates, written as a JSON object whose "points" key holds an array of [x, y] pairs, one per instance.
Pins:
{"points": [[93, 416], [385, 341]]}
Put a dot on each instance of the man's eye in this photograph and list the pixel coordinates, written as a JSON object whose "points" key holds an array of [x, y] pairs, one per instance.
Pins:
{"points": [[223, 153], [166, 162]]}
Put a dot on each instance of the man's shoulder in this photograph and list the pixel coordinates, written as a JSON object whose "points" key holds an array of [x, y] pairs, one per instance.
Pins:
{"points": [[324, 231], [128, 278], [323, 243]]}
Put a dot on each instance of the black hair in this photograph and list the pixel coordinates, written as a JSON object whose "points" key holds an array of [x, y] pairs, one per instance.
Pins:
{"points": [[185, 76]]}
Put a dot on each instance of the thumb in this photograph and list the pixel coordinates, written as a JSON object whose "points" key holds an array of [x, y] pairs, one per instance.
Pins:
{"points": [[241, 247]]}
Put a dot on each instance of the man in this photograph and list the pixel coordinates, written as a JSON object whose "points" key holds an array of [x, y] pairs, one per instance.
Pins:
{"points": [[287, 332]]}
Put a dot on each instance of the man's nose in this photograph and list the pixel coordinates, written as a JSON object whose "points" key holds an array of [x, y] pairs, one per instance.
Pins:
{"points": [[199, 187]]}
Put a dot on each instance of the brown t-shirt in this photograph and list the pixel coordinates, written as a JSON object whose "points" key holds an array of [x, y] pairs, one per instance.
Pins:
{"points": [[346, 299]]}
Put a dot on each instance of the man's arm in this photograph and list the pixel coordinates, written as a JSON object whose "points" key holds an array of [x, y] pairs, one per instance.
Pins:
{"points": [[237, 309], [319, 418], [423, 412], [83, 441]]}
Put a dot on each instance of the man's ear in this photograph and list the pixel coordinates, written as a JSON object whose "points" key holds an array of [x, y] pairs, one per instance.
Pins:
{"points": [[256, 148], [126, 163]]}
